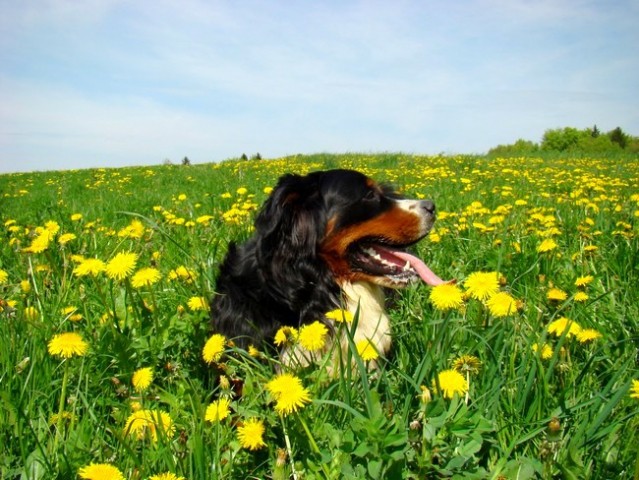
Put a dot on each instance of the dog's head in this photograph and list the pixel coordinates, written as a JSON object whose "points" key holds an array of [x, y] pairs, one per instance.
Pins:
{"points": [[360, 229]]}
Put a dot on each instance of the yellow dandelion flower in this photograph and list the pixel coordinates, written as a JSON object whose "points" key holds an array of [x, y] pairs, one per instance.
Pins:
{"points": [[198, 304], [76, 217], [184, 274], [590, 248], [581, 297], [502, 304], [241, 191], [563, 324], [546, 350], [634, 389], [4, 277], [40, 243], [467, 364], [339, 315], [100, 471], [66, 238], [446, 296], [289, 393], [142, 379], [482, 285], [286, 336], [165, 476], [253, 351], [52, 226], [313, 336], [251, 434], [584, 281], [451, 382], [588, 335], [214, 348], [64, 417], [366, 350], [121, 266], [218, 410], [556, 294], [66, 345], [149, 424], [547, 245], [89, 267], [25, 286], [145, 277]]}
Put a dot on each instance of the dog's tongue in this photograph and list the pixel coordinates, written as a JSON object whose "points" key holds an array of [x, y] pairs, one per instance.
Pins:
{"points": [[421, 268]]}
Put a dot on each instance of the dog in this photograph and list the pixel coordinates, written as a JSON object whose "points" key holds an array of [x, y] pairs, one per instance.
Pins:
{"points": [[327, 240]]}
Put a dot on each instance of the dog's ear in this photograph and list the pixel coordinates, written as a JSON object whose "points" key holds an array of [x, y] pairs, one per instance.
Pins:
{"points": [[292, 218]]}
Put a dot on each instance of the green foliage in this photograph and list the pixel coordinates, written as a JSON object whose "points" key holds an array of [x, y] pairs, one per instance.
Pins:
{"points": [[527, 413], [572, 141]]}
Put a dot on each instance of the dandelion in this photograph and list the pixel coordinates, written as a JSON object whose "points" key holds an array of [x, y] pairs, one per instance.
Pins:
{"points": [[634, 390], [198, 304], [165, 476], [145, 277], [289, 393], [584, 281], [218, 410], [556, 294], [563, 324], [253, 351], [40, 243], [446, 296], [581, 297], [25, 286], [588, 335], [366, 350], [339, 315], [502, 304], [251, 434], [100, 471], [76, 217], [313, 336], [4, 276], [546, 350], [66, 345], [66, 238], [547, 245], [214, 348], [184, 274], [467, 364], [482, 285], [64, 417], [451, 382], [241, 191], [121, 266], [142, 379], [148, 424], [286, 336], [89, 267]]}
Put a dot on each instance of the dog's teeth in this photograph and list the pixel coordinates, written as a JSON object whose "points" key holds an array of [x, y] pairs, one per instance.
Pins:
{"points": [[407, 266]]}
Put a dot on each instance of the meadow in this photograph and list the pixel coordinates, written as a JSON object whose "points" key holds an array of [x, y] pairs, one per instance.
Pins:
{"points": [[525, 368]]}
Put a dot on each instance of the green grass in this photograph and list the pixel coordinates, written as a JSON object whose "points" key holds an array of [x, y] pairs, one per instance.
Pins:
{"points": [[567, 416]]}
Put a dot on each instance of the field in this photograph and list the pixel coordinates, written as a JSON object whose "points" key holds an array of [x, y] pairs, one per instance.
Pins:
{"points": [[525, 368]]}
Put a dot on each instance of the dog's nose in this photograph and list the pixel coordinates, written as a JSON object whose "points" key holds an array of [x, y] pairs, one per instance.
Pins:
{"points": [[427, 205]]}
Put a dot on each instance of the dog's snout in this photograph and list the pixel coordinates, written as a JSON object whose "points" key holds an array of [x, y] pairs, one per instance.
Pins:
{"points": [[427, 205]]}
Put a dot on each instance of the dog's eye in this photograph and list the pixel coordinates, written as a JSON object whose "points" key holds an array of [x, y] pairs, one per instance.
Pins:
{"points": [[371, 195]]}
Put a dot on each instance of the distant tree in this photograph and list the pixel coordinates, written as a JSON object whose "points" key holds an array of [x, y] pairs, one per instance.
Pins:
{"points": [[167, 161], [619, 137], [244, 157], [186, 162], [520, 148], [594, 132], [257, 156], [561, 139]]}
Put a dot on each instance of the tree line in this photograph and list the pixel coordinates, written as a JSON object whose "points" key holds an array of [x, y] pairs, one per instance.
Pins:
{"points": [[573, 140]]}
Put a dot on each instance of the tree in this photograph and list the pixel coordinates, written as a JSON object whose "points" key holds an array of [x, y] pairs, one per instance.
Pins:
{"points": [[619, 137], [561, 139], [186, 162]]}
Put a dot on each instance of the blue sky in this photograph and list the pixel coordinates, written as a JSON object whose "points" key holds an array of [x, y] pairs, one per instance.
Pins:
{"points": [[114, 83]]}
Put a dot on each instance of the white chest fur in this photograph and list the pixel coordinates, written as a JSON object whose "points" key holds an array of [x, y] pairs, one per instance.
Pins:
{"points": [[367, 300]]}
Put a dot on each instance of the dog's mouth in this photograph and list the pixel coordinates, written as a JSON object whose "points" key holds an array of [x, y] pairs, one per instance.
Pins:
{"points": [[391, 263]]}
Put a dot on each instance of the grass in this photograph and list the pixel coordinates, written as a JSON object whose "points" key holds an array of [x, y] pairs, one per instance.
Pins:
{"points": [[567, 413]]}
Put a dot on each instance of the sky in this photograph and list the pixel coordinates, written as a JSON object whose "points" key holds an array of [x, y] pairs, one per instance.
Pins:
{"points": [[110, 83]]}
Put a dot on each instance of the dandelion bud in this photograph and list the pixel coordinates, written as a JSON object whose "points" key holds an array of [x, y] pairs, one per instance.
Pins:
{"points": [[425, 397]]}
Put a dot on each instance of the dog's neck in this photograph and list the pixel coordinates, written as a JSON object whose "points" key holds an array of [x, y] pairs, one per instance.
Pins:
{"points": [[367, 300]]}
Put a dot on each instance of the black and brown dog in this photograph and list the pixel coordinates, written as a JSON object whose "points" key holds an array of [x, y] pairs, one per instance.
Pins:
{"points": [[330, 239]]}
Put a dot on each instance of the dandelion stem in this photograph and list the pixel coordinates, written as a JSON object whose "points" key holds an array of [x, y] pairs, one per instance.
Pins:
{"points": [[63, 395], [289, 449], [311, 440]]}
